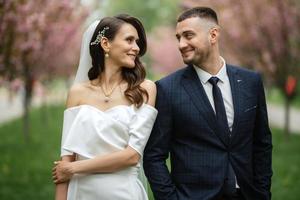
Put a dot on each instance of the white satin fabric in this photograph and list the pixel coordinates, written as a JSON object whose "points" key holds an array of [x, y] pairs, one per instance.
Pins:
{"points": [[89, 132]]}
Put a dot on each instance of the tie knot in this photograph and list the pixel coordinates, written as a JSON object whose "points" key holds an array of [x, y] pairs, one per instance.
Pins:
{"points": [[213, 80]]}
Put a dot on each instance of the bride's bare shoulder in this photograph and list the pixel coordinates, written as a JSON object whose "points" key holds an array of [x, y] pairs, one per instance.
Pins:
{"points": [[79, 88], [76, 93], [150, 87]]}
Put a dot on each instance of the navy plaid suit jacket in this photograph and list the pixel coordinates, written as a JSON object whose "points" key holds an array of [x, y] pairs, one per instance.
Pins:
{"points": [[185, 130]]}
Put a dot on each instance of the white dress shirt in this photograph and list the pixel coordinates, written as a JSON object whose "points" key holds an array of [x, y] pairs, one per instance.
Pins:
{"points": [[224, 86]]}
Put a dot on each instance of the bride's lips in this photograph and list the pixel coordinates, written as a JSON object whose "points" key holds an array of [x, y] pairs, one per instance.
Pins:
{"points": [[132, 55]]}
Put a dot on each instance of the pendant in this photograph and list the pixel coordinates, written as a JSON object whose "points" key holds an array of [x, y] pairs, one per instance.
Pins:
{"points": [[106, 99]]}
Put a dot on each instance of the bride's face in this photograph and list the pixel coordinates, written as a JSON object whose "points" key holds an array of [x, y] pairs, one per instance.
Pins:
{"points": [[123, 48]]}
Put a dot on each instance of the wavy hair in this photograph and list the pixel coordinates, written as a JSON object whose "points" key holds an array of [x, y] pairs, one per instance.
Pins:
{"points": [[133, 76]]}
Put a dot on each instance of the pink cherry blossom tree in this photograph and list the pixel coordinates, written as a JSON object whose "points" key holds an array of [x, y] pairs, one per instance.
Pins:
{"points": [[39, 39], [163, 50]]}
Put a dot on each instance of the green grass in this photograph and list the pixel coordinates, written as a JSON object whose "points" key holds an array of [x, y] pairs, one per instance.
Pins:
{"points": [[25, 168], [286, 167]]}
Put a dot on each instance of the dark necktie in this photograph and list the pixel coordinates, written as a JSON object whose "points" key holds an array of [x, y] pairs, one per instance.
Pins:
{"points": [[223, 129], [219, 107]]}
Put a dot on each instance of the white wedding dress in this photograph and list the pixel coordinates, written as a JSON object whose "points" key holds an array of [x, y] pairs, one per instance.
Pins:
{"points": [[90, 132]]}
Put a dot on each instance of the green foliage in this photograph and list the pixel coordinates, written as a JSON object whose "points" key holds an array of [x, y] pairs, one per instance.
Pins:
{"points": [[151, 13], [25, 168]]}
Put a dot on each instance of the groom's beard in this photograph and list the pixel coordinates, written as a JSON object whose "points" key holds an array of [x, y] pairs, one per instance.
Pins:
{"points": [[200, 57]]}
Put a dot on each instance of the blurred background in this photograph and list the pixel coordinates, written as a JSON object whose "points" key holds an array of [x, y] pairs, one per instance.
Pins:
{"points": [[39, 53]]}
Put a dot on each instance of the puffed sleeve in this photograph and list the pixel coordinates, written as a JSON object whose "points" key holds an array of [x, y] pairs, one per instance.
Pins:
{"points": [[69, 118], [141, 126]]}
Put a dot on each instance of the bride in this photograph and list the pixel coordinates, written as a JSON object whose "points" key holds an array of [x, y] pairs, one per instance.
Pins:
{"points": [[109, 116]]}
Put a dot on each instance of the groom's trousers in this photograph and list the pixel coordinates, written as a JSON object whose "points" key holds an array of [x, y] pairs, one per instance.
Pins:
{"points": [[235, 196]]}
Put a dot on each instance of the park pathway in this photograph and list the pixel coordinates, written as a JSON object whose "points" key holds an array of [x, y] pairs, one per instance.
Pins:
{"points": [[276, 117], [10, 109]]}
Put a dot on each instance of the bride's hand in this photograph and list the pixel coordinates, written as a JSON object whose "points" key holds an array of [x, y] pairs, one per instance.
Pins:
{"points": [[62, 171]]}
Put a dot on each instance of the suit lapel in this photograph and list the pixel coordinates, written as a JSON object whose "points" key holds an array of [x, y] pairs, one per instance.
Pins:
{"points": [[235, 85], [195, 90]]}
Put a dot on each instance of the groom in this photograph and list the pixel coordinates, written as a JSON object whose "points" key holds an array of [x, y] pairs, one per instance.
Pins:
{"points": [[212, 122]]}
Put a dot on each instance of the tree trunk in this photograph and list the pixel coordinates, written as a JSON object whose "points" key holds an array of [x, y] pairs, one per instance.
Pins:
{"points": [[287, 118], [28, 79], [44, 107], [26, 117]]}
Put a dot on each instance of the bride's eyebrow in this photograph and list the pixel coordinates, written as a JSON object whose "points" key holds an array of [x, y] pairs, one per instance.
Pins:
{"points": [[131, 37]]}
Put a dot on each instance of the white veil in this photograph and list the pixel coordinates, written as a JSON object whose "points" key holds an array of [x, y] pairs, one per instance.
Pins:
{"points": [[85, 63]]}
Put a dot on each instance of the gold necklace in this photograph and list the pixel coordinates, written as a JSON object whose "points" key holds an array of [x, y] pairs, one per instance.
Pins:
{"points": [[107, 95]]}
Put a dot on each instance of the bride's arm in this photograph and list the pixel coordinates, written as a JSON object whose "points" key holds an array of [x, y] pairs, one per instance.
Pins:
{"points": [[102, 164], [105, 163], [61, 189], [64, 170]]}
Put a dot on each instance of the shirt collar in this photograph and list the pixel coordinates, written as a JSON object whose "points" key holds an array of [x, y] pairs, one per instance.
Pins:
{"points": [[204, 76]]}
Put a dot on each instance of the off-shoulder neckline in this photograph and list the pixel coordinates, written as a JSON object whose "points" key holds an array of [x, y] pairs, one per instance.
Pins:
{"points": [[108, 109]]}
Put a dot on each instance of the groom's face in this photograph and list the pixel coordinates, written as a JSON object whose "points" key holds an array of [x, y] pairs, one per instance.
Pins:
{"points": [[193, 40]]}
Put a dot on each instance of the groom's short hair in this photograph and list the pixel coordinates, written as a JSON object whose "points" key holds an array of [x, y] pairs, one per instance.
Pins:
{"points": [[201, 12]]}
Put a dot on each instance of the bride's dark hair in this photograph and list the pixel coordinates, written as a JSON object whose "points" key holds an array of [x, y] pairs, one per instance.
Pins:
{"points": [[133, 76]]}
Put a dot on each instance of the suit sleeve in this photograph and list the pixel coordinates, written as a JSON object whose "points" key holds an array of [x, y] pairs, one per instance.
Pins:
{"points": [[157, 150], [262, 146]]}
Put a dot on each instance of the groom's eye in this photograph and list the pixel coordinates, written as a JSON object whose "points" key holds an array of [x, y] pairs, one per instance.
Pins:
{"points": [[189, 36]]}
